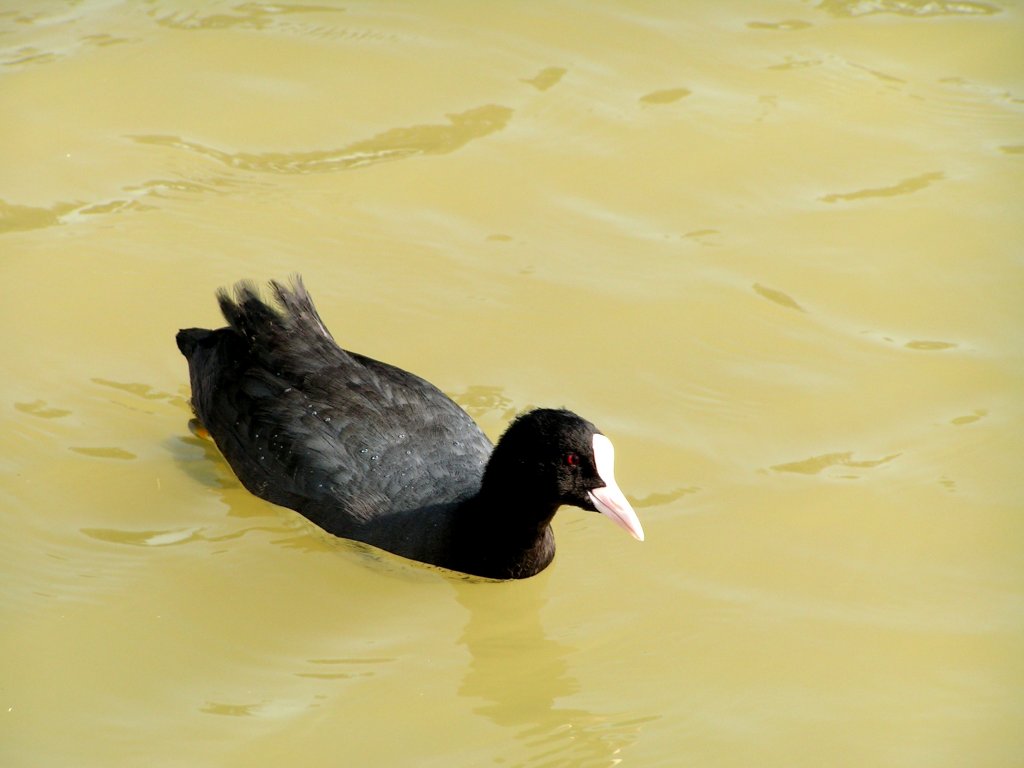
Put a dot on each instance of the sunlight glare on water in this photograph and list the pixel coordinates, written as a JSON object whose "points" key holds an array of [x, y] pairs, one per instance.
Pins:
{"points": [[772, 250]]}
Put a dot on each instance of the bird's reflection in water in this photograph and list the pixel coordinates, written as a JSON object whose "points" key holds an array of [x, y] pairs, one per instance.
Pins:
{"points": [[519, 676]]}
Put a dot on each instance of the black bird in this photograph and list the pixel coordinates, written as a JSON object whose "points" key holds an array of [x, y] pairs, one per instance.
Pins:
{"points": [[371, 452]]}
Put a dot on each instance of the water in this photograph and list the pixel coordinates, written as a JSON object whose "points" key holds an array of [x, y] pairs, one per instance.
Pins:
{"points": [[773, 251]]}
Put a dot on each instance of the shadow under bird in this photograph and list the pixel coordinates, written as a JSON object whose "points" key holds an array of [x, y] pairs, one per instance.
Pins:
{"points": [[371, 452]]}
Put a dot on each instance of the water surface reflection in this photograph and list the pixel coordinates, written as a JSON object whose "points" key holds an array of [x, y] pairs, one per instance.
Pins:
{"points": [[518, 675]]}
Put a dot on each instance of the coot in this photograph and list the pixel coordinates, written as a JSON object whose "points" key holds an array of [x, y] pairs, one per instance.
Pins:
{"points": [[373, 453]]}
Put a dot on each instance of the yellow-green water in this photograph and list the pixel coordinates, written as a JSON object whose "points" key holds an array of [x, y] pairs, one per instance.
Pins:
{"points": [[772, 249]]}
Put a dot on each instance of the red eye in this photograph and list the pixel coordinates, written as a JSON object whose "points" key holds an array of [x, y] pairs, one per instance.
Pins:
{"points": [[572, 459]]}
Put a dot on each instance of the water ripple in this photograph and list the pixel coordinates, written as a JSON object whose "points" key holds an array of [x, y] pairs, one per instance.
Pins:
{"points": [[393, 144], [904, 187], [780, 298], [342, 669], [547, 78], [105, 452], [246, 16], [788, 25], [817, 464], [42, 409], [912, 8], [662, 499], [665, 96], [929, 346], [20, 218], [145, 538]]}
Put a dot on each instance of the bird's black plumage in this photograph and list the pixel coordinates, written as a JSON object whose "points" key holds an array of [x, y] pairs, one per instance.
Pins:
{"points": [[371, 452]]}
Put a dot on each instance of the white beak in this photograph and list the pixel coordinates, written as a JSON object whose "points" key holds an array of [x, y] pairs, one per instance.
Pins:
{"points": [[609, 500]]}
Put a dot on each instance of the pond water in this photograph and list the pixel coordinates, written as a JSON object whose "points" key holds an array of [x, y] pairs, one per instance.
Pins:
{"points": [[773, 250]]}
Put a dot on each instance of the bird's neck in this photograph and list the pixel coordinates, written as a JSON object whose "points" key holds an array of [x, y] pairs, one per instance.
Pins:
{"points": [[505, 538]]}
